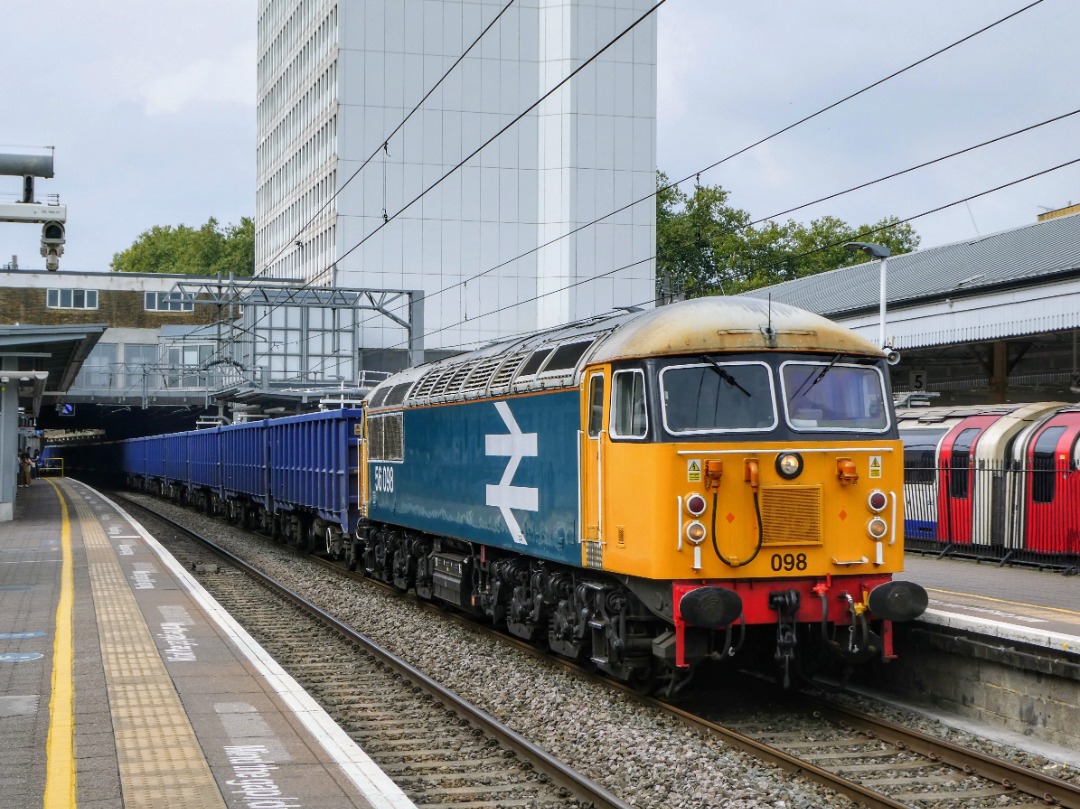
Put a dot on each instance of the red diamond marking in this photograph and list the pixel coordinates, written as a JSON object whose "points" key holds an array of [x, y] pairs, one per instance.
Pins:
{"points": [[843, 514], [730, 517]]}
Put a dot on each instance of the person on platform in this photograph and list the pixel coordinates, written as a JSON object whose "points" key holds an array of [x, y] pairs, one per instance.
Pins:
{"points": [[25, 465]]}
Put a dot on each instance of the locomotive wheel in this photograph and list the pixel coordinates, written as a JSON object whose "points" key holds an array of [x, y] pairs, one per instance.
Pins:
{"points": [[352, 555]]}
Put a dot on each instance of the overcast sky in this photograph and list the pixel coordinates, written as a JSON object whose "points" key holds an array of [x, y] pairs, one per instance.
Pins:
{"points": [[151, 109]]}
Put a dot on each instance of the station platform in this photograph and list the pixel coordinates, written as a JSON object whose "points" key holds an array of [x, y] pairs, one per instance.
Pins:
{"points": [[1019, 604], [123, 684]]}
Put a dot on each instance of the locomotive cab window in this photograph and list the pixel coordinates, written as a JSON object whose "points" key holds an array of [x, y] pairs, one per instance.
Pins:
{"points": [[717, 397], [834, 396], [629, 417], [596, 405]]}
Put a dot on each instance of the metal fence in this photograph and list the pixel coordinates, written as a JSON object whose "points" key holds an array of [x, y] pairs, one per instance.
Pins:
{"points": [[1008, 512]]}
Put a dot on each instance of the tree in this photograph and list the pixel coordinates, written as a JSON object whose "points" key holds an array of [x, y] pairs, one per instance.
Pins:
{"points": [[208, 250], [705, 246]]}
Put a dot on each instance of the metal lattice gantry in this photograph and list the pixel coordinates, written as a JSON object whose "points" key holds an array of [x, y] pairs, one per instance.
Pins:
{"points": [[284, 331]]}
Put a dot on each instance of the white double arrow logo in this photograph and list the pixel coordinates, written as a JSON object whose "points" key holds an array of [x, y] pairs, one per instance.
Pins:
{"points": [[505, 496]]}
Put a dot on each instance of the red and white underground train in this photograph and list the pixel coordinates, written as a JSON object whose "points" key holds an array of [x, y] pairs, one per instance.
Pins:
{"points": [[1003, 480]]}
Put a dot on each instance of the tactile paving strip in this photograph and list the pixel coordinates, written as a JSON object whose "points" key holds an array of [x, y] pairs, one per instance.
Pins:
{"points": [[161, 763]]}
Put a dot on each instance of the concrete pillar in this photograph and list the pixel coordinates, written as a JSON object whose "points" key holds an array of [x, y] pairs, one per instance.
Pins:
{"points": [[9, 444]]}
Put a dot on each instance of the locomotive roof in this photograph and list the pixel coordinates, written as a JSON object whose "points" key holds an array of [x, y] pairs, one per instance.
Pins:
{"points": [[554, 358], [703, 325]]}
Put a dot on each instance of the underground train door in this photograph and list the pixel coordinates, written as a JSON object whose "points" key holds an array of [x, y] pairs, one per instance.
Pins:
{"points": [[956, 487], [1053, 487], [591, 467]]}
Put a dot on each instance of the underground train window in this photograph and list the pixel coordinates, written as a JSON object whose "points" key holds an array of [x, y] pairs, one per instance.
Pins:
{"points": [[714, 397], [629, 418], [960, 463], [1043, 466], [833, 396]]}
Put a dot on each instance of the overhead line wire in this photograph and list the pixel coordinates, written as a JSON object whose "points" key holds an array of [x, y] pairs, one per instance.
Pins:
{"points": [[735, 154], [517, 118], [382, 145], [910, 169], [307, 284], [785, 260]]}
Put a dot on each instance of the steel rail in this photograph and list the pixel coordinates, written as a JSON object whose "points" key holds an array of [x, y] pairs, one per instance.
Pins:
{"points": [[560, 774], [1047, 788]]}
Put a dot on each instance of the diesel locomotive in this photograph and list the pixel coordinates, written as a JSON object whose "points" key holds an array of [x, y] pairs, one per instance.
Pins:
{"points": [[714, 479], [650, 490]]}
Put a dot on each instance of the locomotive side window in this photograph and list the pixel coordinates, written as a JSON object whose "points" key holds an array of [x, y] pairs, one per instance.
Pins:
{"points": [[596, 404], [386, 439], [1043, 466], [821, 396], [716, 397], [960, 463], [629, 418]]}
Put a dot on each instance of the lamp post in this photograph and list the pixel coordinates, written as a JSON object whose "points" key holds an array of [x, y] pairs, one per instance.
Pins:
{"points": [[881, 252]]}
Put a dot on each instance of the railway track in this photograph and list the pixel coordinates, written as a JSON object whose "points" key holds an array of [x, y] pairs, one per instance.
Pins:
{"points": [[873, 762], [880, 763], [442, 751]]}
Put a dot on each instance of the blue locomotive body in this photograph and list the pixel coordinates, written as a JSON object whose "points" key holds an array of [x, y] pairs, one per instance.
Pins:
{"points": [[490, 472]]}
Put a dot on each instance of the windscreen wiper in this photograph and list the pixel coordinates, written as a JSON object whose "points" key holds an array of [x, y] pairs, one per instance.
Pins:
{"points": [[817, 378], [724, 374]]}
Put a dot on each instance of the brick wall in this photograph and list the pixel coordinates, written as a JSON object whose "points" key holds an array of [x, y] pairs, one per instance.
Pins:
{"points": [[118, 309], [1034, 692]]}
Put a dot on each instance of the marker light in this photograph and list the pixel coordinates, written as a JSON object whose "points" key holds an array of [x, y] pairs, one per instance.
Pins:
{"points": [[695, 504], [877, 501], [877, 528], [695, 532]]}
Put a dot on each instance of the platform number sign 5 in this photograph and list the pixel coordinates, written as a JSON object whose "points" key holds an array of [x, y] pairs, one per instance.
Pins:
{"points": [[917, 379]]}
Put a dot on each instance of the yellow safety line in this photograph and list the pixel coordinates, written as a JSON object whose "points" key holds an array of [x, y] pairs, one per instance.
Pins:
{"points": [[60, 748], [1004, 601]]}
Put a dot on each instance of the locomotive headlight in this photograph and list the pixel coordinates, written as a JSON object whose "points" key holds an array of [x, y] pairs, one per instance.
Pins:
{"points": [[789, 465], [877, 501], [695, 504], [695, 532], [877, 528]]}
